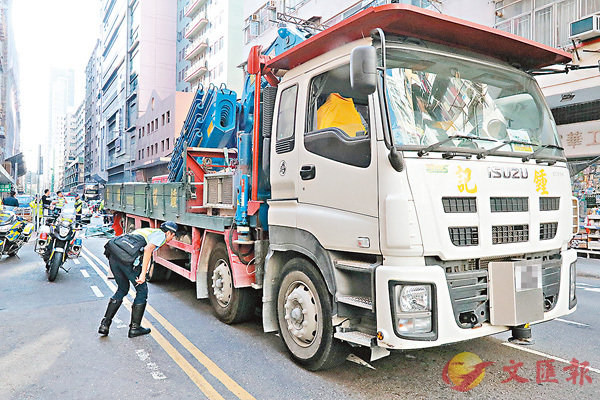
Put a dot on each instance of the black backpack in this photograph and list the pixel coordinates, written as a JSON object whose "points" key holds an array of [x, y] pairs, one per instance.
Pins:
{"points": [[126, 248]]}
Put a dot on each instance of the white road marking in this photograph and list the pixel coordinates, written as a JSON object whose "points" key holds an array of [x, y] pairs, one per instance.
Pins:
{"points": [[84, 273], [597, 290], [584, 284], [97, 291], [570, 322], [76, 261], [120, 324], [142, 354], [539, 353]]}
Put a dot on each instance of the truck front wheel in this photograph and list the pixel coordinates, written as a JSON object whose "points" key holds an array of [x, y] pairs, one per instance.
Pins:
{"points": [[231, 304], [304, 316]]}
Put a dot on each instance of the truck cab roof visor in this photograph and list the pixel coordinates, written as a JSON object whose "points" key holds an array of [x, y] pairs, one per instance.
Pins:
{"points": [[406, 20]]}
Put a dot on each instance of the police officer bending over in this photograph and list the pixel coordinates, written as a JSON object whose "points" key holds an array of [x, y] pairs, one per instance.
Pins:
{"points": [[124, 254]]}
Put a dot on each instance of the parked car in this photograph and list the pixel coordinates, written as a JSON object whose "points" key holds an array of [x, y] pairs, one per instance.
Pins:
{"points": [[24, 210]]}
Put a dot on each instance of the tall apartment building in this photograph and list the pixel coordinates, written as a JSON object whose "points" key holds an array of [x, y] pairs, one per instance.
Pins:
{"points": [[10, 123], [61, 99], [182, 64], [94, 154], [214, 33], [138, 57], [74, 149]]}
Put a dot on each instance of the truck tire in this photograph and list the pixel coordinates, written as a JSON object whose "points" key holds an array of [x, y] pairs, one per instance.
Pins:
{"points": [[304, 316], [231, 305], [157, 273]]}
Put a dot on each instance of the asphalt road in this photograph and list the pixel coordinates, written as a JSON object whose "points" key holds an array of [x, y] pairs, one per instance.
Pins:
{"points": [[49, 348]]}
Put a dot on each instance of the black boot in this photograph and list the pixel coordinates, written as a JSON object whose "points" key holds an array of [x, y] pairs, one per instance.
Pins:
{"points": [[111, 310], [137, 313]]}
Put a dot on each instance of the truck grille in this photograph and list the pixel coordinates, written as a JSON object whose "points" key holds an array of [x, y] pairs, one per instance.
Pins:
{"points": [[509, 204], [468, 285], [549, 203], [459, 204], [503, 234], [464, 236], [548, 230]]}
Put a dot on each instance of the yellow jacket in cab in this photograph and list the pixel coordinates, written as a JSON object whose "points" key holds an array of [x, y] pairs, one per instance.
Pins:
{"points": [[339, 112]]}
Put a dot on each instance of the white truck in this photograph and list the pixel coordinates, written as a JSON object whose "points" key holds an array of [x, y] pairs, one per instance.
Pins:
{"points": [[417, 193]]}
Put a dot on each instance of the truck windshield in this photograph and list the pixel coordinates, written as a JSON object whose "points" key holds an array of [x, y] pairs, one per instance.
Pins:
{"points": [[432, 97]]}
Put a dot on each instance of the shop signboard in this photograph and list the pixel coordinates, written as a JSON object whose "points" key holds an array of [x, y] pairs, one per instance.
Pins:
{"points": [[580, 140], [4, 187]]}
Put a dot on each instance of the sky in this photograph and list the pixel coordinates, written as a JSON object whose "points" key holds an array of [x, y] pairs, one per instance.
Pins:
{"points": [[50, 33]]}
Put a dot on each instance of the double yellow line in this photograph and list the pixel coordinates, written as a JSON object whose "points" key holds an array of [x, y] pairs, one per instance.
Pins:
{"points": [[206, 388]]}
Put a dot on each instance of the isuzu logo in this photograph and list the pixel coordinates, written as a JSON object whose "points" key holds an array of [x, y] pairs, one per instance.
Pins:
{"points": [[507, 173]]}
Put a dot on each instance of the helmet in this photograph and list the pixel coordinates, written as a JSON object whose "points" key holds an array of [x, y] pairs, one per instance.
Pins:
{"points": [[168, 226]]}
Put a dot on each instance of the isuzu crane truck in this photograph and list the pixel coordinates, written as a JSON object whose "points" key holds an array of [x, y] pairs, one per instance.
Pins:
{"points": [[395, 181]]}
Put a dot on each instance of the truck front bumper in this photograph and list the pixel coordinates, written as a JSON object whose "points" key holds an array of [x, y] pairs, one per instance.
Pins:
{"points": [[445, 329]]}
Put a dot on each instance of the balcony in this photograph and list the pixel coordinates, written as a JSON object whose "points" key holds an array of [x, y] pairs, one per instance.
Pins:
{"points": [[195, 26], [196, 70], [195, 48], [192, 7]]}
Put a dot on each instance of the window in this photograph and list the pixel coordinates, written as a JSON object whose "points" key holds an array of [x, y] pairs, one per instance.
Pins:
{"points": [[162, 145], [148, 129], [156, 148], [156, 124], [163, 120], [140, 133], [168, 117], [337, 125], [286, 120]]}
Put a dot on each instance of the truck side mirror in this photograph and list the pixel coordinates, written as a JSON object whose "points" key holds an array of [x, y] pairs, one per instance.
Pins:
{"points": [[363, 69]]}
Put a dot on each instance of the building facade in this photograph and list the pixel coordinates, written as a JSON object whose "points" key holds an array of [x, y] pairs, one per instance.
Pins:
{"points": [[61, 100], [182, 64], [10, 119], [138, 56], [94, 154], [157, 131], [211, 43]]}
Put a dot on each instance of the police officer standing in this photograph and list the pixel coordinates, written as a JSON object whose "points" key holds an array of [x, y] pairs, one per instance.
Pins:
{"points": [[136, 274]]}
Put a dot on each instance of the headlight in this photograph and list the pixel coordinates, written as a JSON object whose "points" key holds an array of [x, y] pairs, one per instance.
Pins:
{"points": [[413, 309], [65, 223], [62, 231], [572, 281], [414, 298]]}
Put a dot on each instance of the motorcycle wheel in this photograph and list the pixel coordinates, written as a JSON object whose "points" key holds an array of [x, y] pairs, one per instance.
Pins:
{"points": [[54, 266]]}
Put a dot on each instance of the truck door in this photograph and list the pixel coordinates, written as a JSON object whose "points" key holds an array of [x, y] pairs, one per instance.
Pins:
{"points": [[337, 166]]}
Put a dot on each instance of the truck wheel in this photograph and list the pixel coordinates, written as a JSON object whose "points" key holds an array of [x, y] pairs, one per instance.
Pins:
{"points": [[157, 273], [304, 316], [231, 305]]}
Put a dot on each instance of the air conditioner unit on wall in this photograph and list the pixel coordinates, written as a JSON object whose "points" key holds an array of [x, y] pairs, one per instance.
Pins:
{"points": [[254, 17], [585, 28]]}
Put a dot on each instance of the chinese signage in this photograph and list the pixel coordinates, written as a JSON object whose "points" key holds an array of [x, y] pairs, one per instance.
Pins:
{"points": [[581, 139], [4, 187]]}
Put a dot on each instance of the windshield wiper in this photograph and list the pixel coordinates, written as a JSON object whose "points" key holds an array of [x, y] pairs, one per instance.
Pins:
{"points": [[539, 149], [493, 150], [434, 146]]}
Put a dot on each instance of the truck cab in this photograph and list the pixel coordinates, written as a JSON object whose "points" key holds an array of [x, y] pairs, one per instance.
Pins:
{"points": [[407, 199]]}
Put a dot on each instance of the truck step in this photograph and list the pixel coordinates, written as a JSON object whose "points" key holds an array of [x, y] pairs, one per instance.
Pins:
{"points": [[355, 266], [357, 337], [357, 301]]}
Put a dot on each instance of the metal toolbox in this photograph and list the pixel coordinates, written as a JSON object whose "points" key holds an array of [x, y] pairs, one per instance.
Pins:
{"points": [[515, 292]]}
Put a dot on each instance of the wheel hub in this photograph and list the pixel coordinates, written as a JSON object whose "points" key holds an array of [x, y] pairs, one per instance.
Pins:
{"points": [[222, 283], [301, 315]]}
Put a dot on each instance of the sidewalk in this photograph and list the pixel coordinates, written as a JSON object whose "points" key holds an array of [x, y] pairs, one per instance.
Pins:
{"points": [[588, 267]]}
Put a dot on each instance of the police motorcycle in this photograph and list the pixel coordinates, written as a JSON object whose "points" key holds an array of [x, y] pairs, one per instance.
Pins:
{"points": [[14, 232], [57, 241]]}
